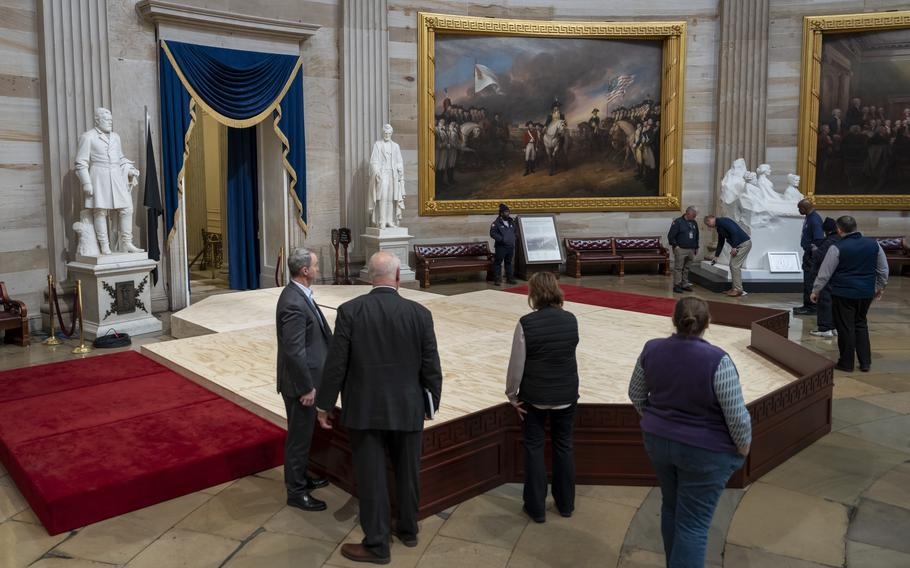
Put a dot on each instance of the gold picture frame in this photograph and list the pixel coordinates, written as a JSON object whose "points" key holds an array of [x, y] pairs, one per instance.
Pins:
{"points": [[672, 35], [815, 28]]}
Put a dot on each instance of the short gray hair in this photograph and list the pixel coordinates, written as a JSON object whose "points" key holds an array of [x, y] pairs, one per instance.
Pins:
{"points": [[382, 265], [692, 209], [299, 259]]}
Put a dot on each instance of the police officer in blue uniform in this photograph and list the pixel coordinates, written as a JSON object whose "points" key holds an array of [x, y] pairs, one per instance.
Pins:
{"points": [[502, 231]]}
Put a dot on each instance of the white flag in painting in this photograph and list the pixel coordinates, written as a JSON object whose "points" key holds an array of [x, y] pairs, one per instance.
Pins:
{"points": [[484, 77], [616, 90]]}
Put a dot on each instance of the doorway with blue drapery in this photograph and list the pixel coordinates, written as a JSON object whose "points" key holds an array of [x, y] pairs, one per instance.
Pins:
{"points": [[239, 89]]}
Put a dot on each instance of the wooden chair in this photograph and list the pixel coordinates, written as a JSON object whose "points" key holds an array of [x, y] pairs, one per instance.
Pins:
{"points": [[13, 319]]}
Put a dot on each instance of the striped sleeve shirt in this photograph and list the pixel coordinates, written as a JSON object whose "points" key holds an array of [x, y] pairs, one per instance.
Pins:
{"points": [[729, 395]]}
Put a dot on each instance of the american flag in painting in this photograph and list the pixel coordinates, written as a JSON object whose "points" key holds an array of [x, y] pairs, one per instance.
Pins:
{"points": [[616, 90]]}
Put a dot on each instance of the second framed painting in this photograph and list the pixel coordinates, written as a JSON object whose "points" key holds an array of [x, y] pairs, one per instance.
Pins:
{"points": [[549, 116]]}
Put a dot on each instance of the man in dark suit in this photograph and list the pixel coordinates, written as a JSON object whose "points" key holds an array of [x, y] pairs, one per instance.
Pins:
{"points": [[382, 358], [303, 340]]}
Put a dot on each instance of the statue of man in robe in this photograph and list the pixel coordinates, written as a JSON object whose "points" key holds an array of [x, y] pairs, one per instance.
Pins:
{"points": [[107, 180], [385, 200]]}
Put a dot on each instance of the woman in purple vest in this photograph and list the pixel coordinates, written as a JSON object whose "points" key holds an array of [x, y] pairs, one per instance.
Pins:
{"points": [[542, 382], [697, 430]]}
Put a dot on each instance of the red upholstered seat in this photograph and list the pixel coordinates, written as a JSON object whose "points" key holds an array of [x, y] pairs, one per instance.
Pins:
{"points": [[451, 257], [897, 251], [614, 251]]}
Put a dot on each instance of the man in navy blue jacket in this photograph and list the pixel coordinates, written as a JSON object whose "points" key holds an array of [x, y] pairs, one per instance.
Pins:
{"points": [[812, 237], [502, 231], [728, 231], [683, 237], [856, 270]]}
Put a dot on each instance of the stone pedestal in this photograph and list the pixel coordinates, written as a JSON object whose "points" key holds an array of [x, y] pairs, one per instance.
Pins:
{"points": [[116, 293], [394, 240]]}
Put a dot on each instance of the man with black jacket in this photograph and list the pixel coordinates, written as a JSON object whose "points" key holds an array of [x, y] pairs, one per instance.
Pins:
{"points": [[383, 360], [824, 316], [502, 231], [683, 237], [303, 341], [812, 235]]}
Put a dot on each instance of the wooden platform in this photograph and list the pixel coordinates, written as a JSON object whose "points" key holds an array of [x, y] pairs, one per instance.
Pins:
{"points": [[475, 444]]}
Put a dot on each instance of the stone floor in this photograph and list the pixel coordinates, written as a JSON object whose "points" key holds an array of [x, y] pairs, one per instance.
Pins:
{"points": [[844, 501]]}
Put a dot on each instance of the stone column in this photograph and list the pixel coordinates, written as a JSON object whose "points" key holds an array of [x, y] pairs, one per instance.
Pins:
{"points": [[365, 72], [75, 78], [742, 69]]}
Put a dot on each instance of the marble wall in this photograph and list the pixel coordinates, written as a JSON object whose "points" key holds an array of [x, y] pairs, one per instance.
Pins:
{"points": [[700, 105], [23, 221]]}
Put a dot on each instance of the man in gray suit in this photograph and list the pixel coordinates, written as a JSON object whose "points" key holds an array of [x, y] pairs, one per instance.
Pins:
{"points": [[303, 341], [383, 358]]}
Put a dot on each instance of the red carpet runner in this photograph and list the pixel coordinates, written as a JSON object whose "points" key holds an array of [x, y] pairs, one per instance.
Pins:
{"points": [[610, 299], [90, 439]]}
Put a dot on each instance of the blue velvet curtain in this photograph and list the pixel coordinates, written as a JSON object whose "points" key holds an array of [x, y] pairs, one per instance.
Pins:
{"points": [[239, 89], [242, 210]]}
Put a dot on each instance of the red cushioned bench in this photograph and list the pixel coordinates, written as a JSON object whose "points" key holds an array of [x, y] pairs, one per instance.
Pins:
{"points": [[589, 252], [897, 251], [613, 251], [452, 257]]}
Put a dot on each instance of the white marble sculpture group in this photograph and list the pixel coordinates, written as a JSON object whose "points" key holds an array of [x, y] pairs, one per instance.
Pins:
{"points": [[107, 179], [751, 199]]}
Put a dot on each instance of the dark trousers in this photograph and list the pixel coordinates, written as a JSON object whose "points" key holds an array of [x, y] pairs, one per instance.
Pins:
{"points": [[852, 330], [369, 449], [534, 437], [503, 254], [301, 420], [808, 279], [824, 316], [691, 482]]}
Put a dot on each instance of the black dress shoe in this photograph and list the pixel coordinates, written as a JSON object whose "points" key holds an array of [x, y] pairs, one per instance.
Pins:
{"points": [[316, 482], [540, 519], [409, 540], [677, 289], [511, 281], [306, 502], [864, 368], [844, 368], [804, 311]]}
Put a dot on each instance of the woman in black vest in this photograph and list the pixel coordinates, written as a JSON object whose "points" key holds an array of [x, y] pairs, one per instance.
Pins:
{"points": [[542, 381]]}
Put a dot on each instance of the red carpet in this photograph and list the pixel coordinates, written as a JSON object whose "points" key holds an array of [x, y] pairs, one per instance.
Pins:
{"points": [[610, 299], [93, 438]]}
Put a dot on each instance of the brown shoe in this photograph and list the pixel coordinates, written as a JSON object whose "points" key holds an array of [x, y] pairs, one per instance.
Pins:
{"points": [[734, 293], [360, 553]]}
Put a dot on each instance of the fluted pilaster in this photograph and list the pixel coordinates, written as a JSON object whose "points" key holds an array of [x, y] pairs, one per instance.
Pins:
{"points": [[75, 78], [742, 84], [365, 69]]}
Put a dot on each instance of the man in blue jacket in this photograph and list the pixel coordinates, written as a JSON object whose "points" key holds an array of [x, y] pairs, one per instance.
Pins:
{"points": [[728, 231], [825, 316], [856, 270], [502, 231], [683, 237], [812, 237]]}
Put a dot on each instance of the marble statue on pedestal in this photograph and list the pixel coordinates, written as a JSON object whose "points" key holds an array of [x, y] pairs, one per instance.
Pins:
{"points": [[385, 200], [792, 192], [107, 180]]}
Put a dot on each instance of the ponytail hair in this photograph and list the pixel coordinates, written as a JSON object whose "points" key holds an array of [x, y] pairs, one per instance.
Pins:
{"points": [[691, 316]]}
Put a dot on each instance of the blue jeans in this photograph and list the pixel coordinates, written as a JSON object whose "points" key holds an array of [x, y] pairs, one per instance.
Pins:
{"points": [[691, 480]]}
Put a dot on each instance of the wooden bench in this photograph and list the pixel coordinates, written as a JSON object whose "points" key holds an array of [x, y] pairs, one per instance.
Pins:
{"points": [[641, 250], [897, 251], [452, 257], [589, 252], [13, 319], [615, 251]]}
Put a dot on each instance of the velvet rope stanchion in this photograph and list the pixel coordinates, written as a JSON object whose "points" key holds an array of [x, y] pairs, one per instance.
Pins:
{"points": [[83, 348], [77, 312], [52, 340]]}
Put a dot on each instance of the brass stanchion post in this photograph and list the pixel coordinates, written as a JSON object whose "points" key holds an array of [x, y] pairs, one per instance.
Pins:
{"points": [[52, 339], [83, 348]]}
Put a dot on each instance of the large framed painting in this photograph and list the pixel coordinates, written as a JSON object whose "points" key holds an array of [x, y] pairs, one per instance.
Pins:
{"points": [[549, 115], [854, 120]]}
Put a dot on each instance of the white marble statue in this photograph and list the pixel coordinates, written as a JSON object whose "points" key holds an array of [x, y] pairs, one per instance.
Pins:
{"points": [[731, 189], [792, 192], [107, 179], [385, 200]]}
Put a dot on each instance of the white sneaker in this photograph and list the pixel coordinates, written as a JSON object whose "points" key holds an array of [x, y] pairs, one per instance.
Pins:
{"points": [[819, 333]]}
